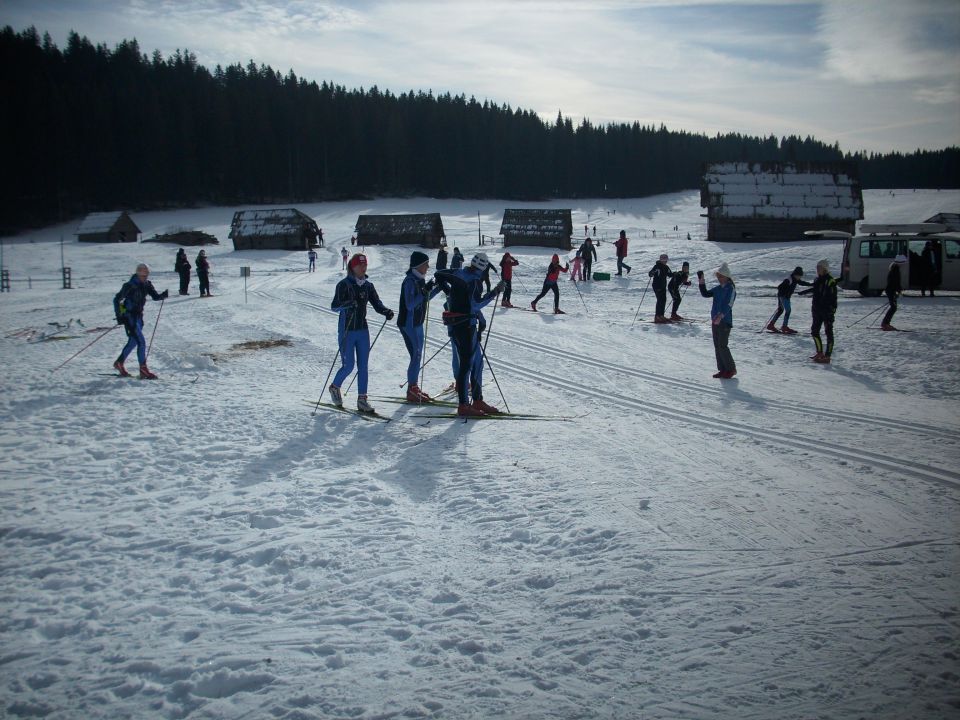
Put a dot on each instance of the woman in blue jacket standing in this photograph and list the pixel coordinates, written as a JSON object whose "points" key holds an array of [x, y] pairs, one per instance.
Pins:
{"points": [[350, 300], [721, 317]]}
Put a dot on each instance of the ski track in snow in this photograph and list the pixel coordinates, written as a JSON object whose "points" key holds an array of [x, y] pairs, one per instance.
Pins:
{"points": [[200, 546]]}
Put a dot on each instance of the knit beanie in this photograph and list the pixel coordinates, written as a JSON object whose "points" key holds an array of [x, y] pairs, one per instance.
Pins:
{"points": [[798, 271], [418, 258]]}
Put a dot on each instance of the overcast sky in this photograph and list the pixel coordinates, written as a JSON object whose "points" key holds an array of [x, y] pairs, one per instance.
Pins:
{"points": [[870, 74]]}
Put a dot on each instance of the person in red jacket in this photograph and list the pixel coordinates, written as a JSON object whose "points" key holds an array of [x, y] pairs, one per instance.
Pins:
{"points": [[507, 263], [621, 245], [550, 283]]}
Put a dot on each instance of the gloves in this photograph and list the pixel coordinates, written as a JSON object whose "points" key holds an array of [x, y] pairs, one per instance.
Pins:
{"points": [[119, 320], [389, 314], [430, 285], [165, 294]]}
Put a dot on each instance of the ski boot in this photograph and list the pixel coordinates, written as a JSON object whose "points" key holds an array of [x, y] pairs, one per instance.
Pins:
{"points": [[887, 327], [484, 408], [118, 366], [506, 304], [771, 327], [823, 360], [787, 330], [729, 374], [145, 373], [675, 318], [719, 374], [533, 306], [335, 395], [364, 406], [660, 320], [467, 410], [816, 356], [416, 395], [558, 311]]}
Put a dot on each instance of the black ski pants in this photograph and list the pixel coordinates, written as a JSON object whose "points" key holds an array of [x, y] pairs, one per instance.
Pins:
{"points": [[677, 299], [507, 291], [661, 294], [892, 299], [184, 281], [588, 267], [547, 287], [464, 336], [204, 279], [827, 324]]}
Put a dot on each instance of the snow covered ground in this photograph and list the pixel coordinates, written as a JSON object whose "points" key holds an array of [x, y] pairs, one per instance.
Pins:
{"points": [[784, 545]]}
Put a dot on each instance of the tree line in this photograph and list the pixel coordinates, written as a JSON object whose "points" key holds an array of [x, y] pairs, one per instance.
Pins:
{"points": [[88, 128]]}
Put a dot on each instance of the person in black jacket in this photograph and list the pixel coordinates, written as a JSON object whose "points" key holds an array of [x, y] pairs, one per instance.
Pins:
{"points": [[784, 293], [660, 272], [128, 309], [442, 257], [681, 277], [588, 252], [893, 290], [182, 267], [928, 269], [203, 273], [824, 310]]}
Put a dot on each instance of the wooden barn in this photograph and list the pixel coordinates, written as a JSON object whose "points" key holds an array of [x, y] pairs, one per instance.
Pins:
{"points": [[539, 228], [108, 227], [779, 201], [274, 229], [425, 230]]}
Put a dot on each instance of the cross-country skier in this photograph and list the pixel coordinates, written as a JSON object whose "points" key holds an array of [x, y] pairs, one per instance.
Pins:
{"points": [[680, 277], [823, 309], [507, 263], [203, 273], [128, 309], [442, 257], [350, 300], [311, 260], [721, 318], [344, 256], [893, 290], [784, 292], [456, 260], [415, 292], [182, 267], [465, 304], [550, 283], [621, 246], [659, 274], [588, 253]]}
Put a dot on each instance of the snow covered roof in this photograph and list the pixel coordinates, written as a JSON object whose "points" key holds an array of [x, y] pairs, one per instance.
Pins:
{"points": [[273, 222], [411, 224], [951, 220], [101, 222], [782, 191], [553, 224]]}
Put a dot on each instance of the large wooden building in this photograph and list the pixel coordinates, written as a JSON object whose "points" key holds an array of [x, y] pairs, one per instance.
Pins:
{"points": [[108, 227], [425, 230], [538, 228], [274, 229], [779, 201]]}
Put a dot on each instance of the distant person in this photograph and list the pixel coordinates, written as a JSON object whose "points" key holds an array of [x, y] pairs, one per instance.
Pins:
{"points": [[353, 239], [442, 257], [203, 273], [311, 260], [721, 319], [928, 269], [588, 253], [344, 256], [182, 267], [128, 309], [621, 246], [893, 290], [586, 231], [680, 277], [659, 274], [823, 309], [320, 237], [784, 292], [507, 264], [594, 230], [456, 262]]}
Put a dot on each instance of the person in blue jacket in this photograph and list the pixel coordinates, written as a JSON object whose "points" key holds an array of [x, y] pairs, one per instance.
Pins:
{"points": [[415, 295], [457, 259], [465, 304], [128, 309], [721, 317], [350, 300]]}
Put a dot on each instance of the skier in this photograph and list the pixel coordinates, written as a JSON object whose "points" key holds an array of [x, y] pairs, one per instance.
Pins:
{"points": [[344, 256], [350, 300], [893, 290], [576, 273], [621, 245], [823, 309], [681, 277], [311, 260], [660, 272], [928, 269], [128, 309], [456, 262], [415, 293], [203, 273], [784, 292], [442, 257], [721, 318], [588, 253], [507, 263], [182, 267], [465, 304], [550, 283], [594, 230]]}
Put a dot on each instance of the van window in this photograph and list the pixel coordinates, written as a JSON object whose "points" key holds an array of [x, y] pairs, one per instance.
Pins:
{"points": [[952, 249], [879, 248]]}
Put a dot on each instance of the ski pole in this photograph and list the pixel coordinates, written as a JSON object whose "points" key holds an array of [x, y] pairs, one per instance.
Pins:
{"points": [[490, 329], [102, 335], [490, 368], [576, 285], [641, 304], [873, 323], [431, 358], [875, 310], [332, 365], [371, 348], [145, 357], [769, 320]]}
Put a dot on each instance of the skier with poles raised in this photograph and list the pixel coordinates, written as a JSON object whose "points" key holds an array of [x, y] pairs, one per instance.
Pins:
{"points": [[465, 304], [415, 296], [550, 283], [659, 274], [680, 277], [824, 310], [721, 318], [784, 292], [350, 300], [893, 290], [128, 309], [507, 263]]}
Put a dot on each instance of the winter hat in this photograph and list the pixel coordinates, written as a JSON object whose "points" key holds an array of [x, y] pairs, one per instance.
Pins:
{"points": [[356, 260], [825, 264], [555, 258], [900, 259], [480, 261], [418, 258], [686, 264], [203, 252], [623, 233], [663, 256], [798, 271], [724, 270]]}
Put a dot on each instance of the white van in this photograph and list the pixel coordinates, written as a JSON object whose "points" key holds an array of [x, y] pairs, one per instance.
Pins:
{"points": [[867, 256]]}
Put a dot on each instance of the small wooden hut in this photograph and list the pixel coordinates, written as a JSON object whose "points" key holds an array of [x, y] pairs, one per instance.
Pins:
{"points": [[274, 229], [779, 201], [108, 227], [539, 228], [425, 230]]}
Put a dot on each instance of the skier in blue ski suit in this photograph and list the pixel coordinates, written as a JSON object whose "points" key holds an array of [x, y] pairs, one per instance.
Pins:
{"points": [[128, 309], [721, 316], [415, 294]]}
